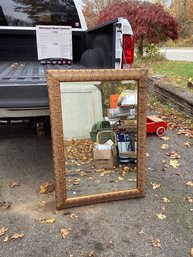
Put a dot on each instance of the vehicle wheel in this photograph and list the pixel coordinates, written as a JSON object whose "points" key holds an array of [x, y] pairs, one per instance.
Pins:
{"points": [[160, 131]]}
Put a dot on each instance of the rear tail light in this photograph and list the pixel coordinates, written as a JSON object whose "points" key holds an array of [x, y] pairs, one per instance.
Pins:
{"points": [[128, 51]]}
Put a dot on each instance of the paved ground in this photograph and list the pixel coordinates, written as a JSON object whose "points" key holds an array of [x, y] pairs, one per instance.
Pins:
{"points": [[116, 229], [178, 53]]}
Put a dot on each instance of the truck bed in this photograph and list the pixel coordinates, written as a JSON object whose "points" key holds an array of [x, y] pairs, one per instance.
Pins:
{"points": [[33, 76]]}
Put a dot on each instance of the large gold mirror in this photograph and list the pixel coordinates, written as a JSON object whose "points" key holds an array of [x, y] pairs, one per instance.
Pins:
{"points": [[98, 127]]}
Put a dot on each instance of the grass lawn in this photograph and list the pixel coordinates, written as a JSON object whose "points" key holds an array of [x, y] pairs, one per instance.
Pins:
{"points": [[179, 71]]}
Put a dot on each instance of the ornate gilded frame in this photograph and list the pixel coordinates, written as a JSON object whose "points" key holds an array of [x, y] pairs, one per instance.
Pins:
{"points": [[55, 77]]}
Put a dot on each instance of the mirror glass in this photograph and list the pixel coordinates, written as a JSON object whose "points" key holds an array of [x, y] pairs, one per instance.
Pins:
{"points": [[99, 122]]}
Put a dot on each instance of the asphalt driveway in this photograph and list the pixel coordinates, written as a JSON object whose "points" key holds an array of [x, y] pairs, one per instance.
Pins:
{"points": [[129, 228]]}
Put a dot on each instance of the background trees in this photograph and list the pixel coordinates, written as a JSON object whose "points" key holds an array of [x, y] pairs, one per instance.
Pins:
{"points": [[150, 21]]}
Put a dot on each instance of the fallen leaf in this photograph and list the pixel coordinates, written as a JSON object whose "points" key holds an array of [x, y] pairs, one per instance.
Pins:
{"points": [[155, 186], [189, 199], [165, 138], [132, 180], [187, 144], [64, 232], [73, 216], [156, 243], [3, 231], [5, 205], [16, 236], [161, 216], [42, 203], [166, 200], [174, 155], [141, 232], [120, 178], [6, 239], [91, 254], [189, 183], [14, 184], [174, 163], [47, 188], [164, 146], [47, 221]]}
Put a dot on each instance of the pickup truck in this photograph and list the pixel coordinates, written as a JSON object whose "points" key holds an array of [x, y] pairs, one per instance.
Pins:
{"points": [[23, 85]]}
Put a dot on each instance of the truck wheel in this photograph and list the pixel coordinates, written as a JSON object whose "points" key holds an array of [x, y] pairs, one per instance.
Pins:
{"points": [[160, 131]]}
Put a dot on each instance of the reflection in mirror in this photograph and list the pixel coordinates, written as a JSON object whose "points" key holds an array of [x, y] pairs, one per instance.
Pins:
{"points": [[99, 121]]}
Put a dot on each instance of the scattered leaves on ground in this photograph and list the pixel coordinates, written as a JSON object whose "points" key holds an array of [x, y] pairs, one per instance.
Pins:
{"points": [[14, 237], [156, 243], [165, 138], [141, 232], [6, 239], [46, 188], [47, 221], [5, 205], [17, 236], [120, 178], [189, 199], [64, 232], [42, 203], [91, 254], [174, 163], [78, 151], [164, 146], [161, 216], [187, 144], [166, 200], [14, 184], [3, 231], [155, 186], [189, 183], [174, 155]]}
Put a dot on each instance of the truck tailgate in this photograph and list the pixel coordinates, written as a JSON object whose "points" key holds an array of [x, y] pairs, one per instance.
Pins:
{"points": [[24, 85]]}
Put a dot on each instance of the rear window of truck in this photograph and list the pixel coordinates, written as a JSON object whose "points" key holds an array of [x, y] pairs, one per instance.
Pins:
{"points": [[29, 13]]}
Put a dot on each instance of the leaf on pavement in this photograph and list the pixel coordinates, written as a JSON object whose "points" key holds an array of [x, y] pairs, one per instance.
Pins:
{"points": [[14, 184], [189, 183], [189, 199], [5, 205], [174, 163], [16, 236], [3, 231], [161, 216], [166, 200], [6, 239], [47, 221], [47, 188], [73, 216], [120, 178], [164, 146], [91, 254], [64, 232], [165, 138], [187, 144], [156, 243], [155, 186], [174, 155], [42, 203]]}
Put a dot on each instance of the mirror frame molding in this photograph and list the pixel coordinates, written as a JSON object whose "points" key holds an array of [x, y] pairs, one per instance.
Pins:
{"points": [[54, 78]]}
